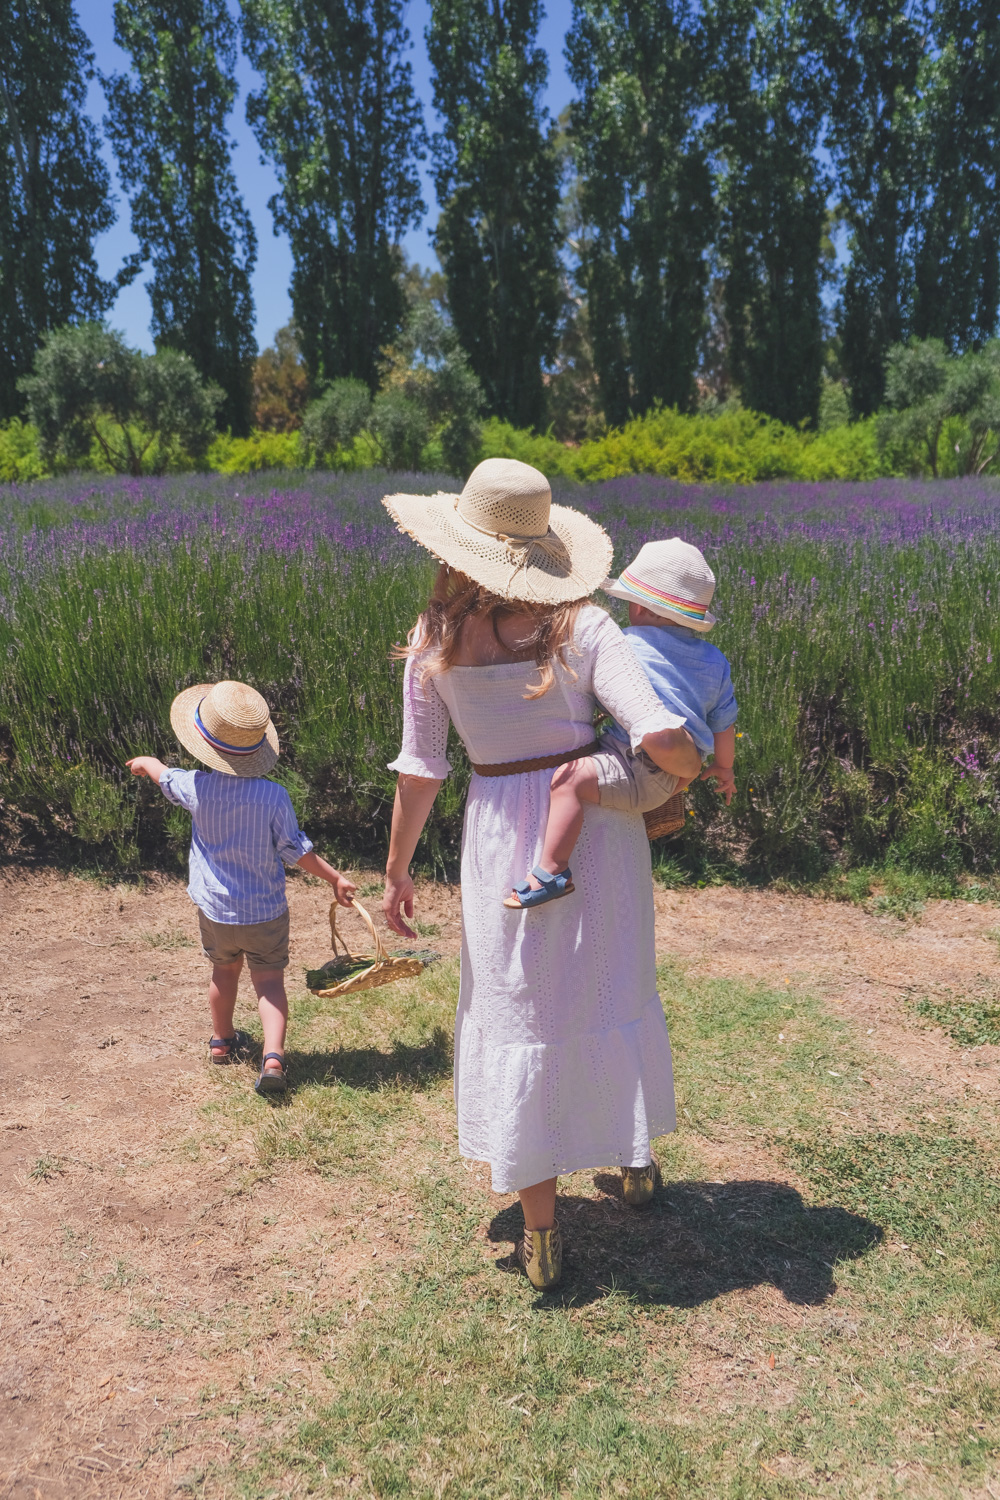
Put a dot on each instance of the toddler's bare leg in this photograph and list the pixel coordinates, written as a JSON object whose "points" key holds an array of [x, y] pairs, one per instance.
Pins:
{"points": [[222, 990], [272, 1002], [574, 785]]}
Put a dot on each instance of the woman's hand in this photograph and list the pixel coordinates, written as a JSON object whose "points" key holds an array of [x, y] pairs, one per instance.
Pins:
{"points": [[398, 899], [414, 800]]}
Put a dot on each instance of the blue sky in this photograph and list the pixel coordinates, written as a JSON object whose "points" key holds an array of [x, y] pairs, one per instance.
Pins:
{"points": [[257, 182]]}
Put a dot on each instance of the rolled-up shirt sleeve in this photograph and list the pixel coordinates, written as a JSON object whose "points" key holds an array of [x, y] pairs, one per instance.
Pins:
{"points": [[289, 840], [723, 712], [179, 788], [622, 687], [425, 727]]}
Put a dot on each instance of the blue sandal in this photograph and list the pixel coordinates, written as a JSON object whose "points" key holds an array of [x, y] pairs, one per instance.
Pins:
{"points": [[239, 1048], [272, 1083], [552, 887]]}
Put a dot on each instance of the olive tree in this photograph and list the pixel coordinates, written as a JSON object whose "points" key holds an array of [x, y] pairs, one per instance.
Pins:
{"points": [[142, 410], [930, 392]]}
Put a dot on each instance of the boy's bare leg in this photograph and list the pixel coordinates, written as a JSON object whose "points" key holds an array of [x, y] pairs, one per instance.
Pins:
{"points": [[272, 1002], [222, 991], [574, 785]]}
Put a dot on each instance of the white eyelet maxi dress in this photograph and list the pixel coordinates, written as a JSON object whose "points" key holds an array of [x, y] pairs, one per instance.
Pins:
{"points": [[562, 1058]]}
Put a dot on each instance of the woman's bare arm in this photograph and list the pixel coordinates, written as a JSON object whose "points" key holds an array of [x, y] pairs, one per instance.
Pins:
{"points": [[414, 800]]}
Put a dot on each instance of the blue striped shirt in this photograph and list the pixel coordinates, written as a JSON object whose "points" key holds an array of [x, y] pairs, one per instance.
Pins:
{"points": [[242, 827]]}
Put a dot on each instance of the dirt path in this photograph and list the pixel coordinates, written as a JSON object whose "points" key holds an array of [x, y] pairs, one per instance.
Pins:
{"points": [[114, 1202]]}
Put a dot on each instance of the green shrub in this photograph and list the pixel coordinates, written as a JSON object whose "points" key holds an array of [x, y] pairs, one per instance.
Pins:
{"points": [[334, 420], [93, 399], [730, 446], [253, 454], [501, 440], [20, 459], [401, 428]]}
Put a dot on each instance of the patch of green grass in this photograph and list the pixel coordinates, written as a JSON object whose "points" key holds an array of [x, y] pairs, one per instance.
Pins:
{"points": [[762, 1337], [425, 929], [923, 1187], [122, 1276], [969, 1022], [175, 938], [47, 1167], [770, 1058], [891, 890]]}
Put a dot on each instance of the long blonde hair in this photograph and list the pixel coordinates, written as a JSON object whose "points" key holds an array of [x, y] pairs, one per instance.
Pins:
{"points": [[456, 598]]}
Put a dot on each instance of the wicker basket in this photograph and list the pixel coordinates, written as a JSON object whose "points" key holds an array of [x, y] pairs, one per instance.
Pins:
{"points": [[384, 969], [664, 821]]}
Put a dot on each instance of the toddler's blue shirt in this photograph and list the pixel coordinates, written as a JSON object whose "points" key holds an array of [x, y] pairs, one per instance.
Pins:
{"points": [[689, 675], [242, 827]]}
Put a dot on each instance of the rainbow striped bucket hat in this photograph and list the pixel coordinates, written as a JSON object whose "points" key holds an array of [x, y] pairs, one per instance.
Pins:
{"points": [[672, 579]]}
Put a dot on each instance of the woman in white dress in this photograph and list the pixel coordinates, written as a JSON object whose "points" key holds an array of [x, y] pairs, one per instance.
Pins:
{"points": [[562, 1059]]}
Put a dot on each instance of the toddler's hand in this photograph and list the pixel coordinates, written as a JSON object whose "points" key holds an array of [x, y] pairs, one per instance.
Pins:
{"points": [[726, 778], [147, 765], [343, 888]]}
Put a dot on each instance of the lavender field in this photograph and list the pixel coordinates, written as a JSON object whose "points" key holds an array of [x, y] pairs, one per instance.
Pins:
{"points": [[860, 621]]}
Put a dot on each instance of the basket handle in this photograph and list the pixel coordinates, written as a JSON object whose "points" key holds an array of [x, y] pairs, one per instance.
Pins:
{"points": [[380, 952]]}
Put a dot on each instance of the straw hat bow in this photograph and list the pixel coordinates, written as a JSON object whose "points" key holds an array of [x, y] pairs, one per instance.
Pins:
{"points": [[504, 532]]}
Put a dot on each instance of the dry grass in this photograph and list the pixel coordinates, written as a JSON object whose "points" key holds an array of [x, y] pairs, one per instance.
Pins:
{"points": [[206, 1296]]}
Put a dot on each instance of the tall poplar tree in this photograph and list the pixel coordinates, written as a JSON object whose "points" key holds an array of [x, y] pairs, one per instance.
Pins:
{"points": [[768, 98], [956, 294], [639, 66], [338, 117], [496, 177], [167, 121], [875, 54], [54, 188]]}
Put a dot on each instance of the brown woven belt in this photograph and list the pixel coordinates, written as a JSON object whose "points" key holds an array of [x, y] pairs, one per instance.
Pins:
{"points": [[540, 762]]}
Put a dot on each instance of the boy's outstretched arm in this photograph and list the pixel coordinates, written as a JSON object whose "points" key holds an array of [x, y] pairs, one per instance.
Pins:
{"points": [[343, 888], [721, 769], [147, 765]]}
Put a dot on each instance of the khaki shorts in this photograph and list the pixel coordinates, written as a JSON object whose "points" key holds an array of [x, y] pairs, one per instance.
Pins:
{"points": [[629, 781], [263, 944]]}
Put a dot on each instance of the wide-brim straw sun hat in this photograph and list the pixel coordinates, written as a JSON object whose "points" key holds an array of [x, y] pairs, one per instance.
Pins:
{"points": [[672, 579], [227, 725], [504, 532]]}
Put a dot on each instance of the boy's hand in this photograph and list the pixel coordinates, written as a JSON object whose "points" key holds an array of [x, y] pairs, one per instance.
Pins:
{"points": [[726, 778], [343, 888], [147, 765]]}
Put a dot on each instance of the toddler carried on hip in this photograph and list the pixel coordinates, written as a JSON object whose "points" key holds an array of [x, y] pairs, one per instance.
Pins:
{"points": [[243, 832], [668, 588]]}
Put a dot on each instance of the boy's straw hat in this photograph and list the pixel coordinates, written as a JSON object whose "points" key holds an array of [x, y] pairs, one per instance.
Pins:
{"points": [[672, 579], [504, 532], [228, 726]]}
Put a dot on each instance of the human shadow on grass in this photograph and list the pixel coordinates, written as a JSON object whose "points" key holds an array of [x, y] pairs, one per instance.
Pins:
{"points": [[697, 1241], [404, 1067]]}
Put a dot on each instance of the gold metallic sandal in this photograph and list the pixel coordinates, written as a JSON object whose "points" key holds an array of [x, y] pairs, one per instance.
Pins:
{"points": [[640, 1183], [540, 1253]]}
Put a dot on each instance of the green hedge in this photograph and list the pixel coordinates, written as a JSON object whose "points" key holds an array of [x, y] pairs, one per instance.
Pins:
{"points": [[731, 446]]}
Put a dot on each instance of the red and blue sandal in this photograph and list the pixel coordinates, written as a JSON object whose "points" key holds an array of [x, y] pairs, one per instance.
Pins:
{"points": [[552, 887], [272, 1083]]}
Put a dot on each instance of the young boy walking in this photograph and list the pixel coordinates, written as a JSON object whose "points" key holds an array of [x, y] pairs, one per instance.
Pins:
{"points": [[243, 832], [668, 587]]}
